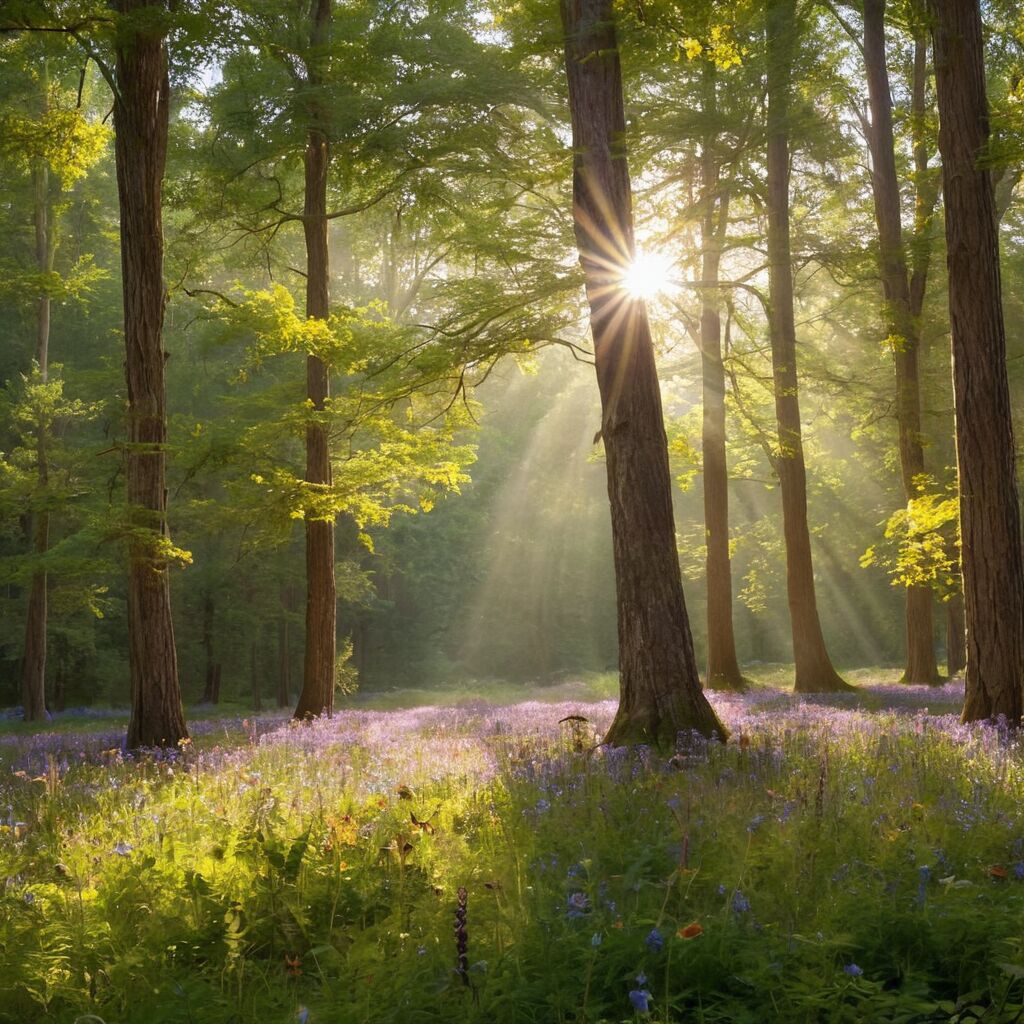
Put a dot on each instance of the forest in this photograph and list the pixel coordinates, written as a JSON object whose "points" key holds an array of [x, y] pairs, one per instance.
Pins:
{"points": [[509, 512]]}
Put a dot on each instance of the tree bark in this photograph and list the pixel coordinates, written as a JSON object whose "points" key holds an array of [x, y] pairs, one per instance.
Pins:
{"points": [[317, 697], [33, 666], [140, 146], [813, 667], [956, 641], [659, 686], [992, 555], [903, 325], [208, 622], [723, 671]]}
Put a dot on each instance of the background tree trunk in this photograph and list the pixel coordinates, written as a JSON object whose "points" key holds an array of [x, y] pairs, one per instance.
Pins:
{"points": [[317, 695], [33, 665], [140, 146], [904, 329], [723, 672], [814, 670], [208, 622], [926, 192], [659, 686], [60, 676], [956, 641], [992, 556]]}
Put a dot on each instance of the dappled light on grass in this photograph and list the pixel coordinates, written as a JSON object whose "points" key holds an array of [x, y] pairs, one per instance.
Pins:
{"points": [[861, 851]]}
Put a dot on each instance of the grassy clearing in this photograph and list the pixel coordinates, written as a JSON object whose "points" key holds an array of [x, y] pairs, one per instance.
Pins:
{"points": [[832, 863]]}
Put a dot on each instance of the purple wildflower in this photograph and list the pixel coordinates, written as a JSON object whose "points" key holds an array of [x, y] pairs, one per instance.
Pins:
{"points": [[641, 1000], [578, 905], [853, 970], [655, 941], [923, 874]]}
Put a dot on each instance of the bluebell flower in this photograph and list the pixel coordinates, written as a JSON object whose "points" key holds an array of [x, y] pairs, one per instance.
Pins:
{"points": [[123, 849], [853, 970], [923, 874], [641, 979], [655, 941], [755, 823], [641, 1000], [302, 1015], [541, 806], [1018, 870], [740, 903], [578, 905]]}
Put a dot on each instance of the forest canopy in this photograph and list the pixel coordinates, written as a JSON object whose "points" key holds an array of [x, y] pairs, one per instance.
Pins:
{"points": [[301, 303], [510, 512]]}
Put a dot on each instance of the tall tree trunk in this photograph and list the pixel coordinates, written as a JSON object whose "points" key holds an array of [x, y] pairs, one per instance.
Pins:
{"points": [[33, 666], [723, 672], [903, 326], [814, 670], [956, 641], [992, 555], [317, 697], [659, 686], [208, 622], [140, 146]]}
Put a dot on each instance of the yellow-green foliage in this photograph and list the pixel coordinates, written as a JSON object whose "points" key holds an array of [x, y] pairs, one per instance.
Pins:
{"points": [[719, 46], [393, 446], [921, 541], [63, 138]]}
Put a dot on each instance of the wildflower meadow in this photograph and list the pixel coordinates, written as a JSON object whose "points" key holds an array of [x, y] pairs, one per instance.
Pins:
{"points": [[857, 857]]}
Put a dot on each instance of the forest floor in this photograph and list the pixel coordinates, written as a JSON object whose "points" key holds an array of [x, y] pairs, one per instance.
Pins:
{"points": [[856, 858]]}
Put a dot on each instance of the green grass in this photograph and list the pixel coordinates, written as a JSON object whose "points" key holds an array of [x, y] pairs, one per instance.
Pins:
{"points": [[827, 865]]}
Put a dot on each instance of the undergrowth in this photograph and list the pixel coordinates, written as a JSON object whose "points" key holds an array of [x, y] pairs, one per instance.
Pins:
{"points": [[829, 864]]}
